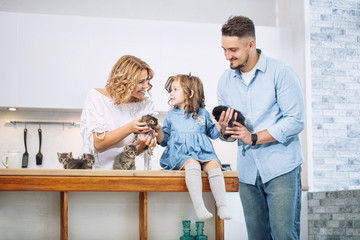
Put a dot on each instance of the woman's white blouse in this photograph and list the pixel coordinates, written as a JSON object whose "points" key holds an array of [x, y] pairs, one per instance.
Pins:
{"points": [[100, 115]]}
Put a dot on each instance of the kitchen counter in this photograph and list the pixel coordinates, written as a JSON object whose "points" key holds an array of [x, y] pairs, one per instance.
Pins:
{"points": [[91, 172], [66, 180]]}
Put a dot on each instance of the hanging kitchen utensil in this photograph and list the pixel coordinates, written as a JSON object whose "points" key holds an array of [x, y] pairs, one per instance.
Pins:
{"points": [[39, 156], [25, 157]]}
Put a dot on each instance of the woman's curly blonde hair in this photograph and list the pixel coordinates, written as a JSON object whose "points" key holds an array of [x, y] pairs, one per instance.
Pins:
{"points": [[189, 83], [124, 78]]}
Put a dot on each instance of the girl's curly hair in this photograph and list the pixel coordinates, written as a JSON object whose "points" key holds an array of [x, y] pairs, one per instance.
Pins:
{"points": [[189, 83], [124, 77]]}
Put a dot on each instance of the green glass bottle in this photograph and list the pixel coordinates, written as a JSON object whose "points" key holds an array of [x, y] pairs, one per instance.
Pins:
{"points": [[199, 231], [186, 228]]}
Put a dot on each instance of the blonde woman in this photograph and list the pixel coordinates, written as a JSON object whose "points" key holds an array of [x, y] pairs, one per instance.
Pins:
{"points": [[111, 115]]}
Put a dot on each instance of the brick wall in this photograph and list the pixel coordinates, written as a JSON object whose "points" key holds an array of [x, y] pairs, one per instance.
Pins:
{"points": [[334, 215], [335, 73]]}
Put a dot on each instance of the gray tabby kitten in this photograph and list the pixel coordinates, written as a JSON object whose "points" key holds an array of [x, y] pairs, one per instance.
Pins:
{"points": [[151, 122], [64, 158], [85, 162], [126, 159]]}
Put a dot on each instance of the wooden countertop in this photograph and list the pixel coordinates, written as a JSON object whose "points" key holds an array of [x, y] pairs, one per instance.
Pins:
{"points": [[103, 180], [101, 173]]}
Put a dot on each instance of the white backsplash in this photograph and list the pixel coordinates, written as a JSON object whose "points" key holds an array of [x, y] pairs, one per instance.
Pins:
{"points": [[55, 137], [67, 138]]}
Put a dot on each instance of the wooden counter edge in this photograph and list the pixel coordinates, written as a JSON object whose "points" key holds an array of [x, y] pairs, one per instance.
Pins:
{"points": [[104, 184], [103, 173]]}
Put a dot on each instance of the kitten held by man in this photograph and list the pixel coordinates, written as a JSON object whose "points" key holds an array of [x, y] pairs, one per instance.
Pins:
{"points": [[126, 159], [219, 109], [85, 162]]}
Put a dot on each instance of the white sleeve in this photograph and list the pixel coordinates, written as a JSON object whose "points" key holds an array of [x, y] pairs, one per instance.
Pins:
{"points": [[91, 121]]}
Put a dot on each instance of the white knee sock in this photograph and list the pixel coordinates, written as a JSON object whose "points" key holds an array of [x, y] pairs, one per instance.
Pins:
{"points": [[217, 185], [194, 185]]}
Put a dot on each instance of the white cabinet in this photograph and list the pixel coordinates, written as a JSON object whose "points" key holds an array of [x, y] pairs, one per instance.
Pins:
{"points": [[52, 61], [8, 59]]}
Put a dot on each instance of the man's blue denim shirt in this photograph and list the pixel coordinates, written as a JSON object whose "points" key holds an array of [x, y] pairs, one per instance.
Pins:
{"points": [[273, 100]]}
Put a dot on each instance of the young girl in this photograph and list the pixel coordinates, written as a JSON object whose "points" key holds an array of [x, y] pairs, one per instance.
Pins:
{"points": [[186, 131]]}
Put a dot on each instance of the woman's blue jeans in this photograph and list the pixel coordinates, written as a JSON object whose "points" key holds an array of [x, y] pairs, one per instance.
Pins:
{"points": [[272, 209]]}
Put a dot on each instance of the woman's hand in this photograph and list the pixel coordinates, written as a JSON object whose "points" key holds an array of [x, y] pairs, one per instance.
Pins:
{"points": [[103, 141], [138, 127]]}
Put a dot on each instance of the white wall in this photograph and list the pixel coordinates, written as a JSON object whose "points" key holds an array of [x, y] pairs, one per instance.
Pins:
{"points": [[62, 57]]}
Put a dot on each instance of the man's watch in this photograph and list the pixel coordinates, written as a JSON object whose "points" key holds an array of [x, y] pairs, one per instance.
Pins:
{"points": [[254, 139]]}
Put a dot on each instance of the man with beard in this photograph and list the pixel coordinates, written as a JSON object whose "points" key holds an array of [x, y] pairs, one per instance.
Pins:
{"points": [[269, 95]]}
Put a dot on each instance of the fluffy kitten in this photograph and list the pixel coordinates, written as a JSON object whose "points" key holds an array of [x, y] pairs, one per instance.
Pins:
{"points": [[151, 122], [85, 162], [240, 118], [64, 158], [126, 159]]}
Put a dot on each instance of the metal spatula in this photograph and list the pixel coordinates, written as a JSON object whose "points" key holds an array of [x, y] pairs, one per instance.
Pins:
{"points": [[25, 157], [39, 156]]}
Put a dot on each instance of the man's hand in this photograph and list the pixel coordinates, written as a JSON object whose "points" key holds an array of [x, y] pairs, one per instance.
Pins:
{"points": [[239, 131]]}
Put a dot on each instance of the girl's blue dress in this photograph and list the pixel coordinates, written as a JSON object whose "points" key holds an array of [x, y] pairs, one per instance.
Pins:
{"points": [[187, 138]]}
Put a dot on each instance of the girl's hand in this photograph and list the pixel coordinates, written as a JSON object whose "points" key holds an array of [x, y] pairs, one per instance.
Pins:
{"points": [[239, 131], [224, 119], [138, 127], [158, 128]]}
